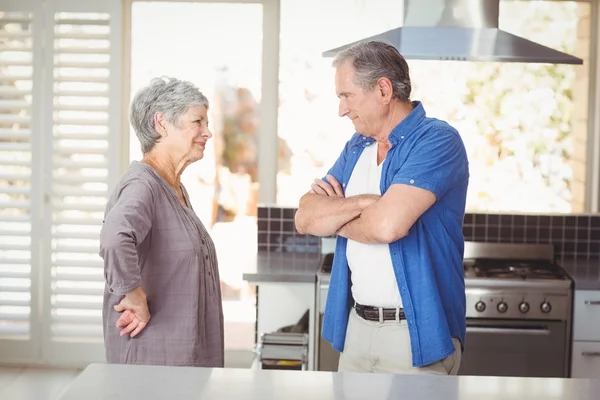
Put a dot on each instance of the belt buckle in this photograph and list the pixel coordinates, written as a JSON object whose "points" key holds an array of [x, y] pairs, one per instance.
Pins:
{"points": [[380, 309]]}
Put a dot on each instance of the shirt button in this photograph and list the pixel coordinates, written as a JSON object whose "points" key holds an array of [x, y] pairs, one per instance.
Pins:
{"points": [[206, 257], [401, 137], [111, 290], [203, 242], [412, 181]]}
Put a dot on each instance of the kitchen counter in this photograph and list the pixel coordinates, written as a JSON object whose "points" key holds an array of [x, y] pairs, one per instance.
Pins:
{"points": [[128, 382], [302, 268], [284, 267], [585, 273]]}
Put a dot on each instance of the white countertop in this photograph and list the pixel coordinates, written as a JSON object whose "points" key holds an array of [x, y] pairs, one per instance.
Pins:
{"points": [[116, 382]]}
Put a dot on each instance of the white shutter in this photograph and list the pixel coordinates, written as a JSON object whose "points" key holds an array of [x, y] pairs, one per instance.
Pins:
{"points": [[19, 180], [84, 51]]}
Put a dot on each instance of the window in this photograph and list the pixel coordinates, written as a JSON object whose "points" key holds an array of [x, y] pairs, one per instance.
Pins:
{"points": [[524, 125], [59, 143], [223, 58]]}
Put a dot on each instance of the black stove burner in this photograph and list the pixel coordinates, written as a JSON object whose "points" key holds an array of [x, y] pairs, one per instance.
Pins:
{"points": [[523, 269]]}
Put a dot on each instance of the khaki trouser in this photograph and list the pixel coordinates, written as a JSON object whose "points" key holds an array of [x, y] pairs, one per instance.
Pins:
{"points": [[371, 346]]}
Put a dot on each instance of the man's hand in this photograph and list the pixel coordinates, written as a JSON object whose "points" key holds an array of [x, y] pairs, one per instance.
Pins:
{"points": [[332, 190], [135, 310]]}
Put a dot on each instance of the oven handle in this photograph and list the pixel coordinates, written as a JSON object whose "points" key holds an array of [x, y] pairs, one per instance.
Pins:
{"points": [[591, 354], [508, 331], [592, 302]]}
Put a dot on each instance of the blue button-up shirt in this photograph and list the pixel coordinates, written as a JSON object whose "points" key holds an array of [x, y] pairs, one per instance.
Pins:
{"points": [[428, 262]]}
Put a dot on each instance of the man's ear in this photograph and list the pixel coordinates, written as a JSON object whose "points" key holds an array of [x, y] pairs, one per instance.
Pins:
{"points": [[384, 85]]}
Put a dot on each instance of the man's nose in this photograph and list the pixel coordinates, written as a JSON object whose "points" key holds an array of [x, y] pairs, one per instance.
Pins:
{"points": [[343, 109]]}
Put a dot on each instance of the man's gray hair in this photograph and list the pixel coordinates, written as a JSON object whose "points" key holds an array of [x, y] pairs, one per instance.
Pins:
{"points": [[373, 60], [170, 96]]}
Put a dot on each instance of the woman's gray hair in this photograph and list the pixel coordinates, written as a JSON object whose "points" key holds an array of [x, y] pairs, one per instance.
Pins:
{"points": [[373, 60], [169, 96]]}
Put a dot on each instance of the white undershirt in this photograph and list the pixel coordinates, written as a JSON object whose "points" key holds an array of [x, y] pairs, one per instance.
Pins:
{"points": [[373, 278]]}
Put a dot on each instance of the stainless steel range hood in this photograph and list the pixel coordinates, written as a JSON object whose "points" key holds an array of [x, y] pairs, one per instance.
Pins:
{"points": [[464, 30]]}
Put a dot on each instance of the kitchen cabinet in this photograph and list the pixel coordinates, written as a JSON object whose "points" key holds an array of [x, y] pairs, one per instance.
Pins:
{"points": [[586, 334]]}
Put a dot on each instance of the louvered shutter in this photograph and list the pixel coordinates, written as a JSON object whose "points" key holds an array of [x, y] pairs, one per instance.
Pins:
{"points": [[19, 178], [83, 87]]}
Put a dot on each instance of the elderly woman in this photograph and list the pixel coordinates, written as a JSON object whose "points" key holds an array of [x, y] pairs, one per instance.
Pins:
{"points": [[162, 302]]}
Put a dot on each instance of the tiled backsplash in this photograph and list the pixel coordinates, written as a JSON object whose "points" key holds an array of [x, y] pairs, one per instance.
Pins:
{"points": [[573, 236]]}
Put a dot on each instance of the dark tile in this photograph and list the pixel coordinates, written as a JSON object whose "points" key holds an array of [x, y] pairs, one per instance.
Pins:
{"points": [[506, 220], [263, 212], [545, 221], [531, 234], [493, 231], [568, 255], [493, 219], [480, 219], [595, 234], [479, 233], [595, 248], [506, 232], [469, 219], [289, 213], [532, 220], [570, 220], [262, 224], [263, 247], [289, 227], [583, 221], [583, 234], [595, 221], [275, 225], [262, 238], [519, 220], [275, 213], [570, 234], [568, 247], [275, 238], [518, 233], [582, 247], [557, 233], [558, 221], [544, 234], [468, 230]]}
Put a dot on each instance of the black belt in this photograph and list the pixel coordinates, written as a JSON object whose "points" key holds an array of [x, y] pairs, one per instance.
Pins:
{"points": [[371, 313]]}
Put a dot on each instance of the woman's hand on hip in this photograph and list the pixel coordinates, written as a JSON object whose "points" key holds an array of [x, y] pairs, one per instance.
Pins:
{"points": [[135, 310]]}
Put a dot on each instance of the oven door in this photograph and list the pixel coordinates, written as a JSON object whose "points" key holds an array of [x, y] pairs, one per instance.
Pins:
{"points": [[515, 348]]}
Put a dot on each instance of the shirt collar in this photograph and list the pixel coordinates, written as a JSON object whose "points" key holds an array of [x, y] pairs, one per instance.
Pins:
{"points": [[401, 131]]}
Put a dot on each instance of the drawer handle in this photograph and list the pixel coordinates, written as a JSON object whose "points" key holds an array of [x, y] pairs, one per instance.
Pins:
{"points": [[591, 354], [592, 302]]}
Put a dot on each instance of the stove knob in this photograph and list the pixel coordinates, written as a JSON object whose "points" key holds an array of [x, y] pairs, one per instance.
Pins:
{"points": [[480, 306], [524, 307], [546, 307], [502, 307]]}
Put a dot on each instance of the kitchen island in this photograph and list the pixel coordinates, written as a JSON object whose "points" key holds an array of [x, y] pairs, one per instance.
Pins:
{"points": [[116, 382]]}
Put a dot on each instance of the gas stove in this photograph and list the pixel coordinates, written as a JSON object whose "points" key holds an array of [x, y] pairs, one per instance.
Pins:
{"points": [[515, 281], [518, 309]]}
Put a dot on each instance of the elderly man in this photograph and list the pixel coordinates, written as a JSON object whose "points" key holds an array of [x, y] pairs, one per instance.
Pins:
{"points": [[396, 199]]}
